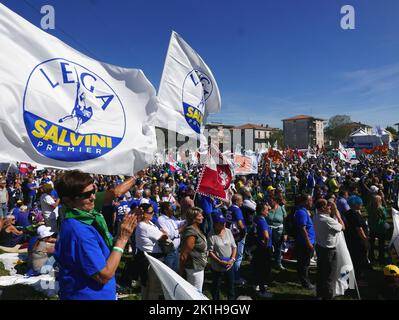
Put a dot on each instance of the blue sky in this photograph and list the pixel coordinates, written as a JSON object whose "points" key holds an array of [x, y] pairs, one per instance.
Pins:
{"points": [[272, 59]]}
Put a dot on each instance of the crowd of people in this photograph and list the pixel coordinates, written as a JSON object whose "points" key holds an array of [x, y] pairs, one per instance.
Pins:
{"points": [[82, 224]]}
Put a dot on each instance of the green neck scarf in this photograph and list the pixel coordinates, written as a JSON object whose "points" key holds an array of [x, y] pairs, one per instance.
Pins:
{"points": [[93, 218]]}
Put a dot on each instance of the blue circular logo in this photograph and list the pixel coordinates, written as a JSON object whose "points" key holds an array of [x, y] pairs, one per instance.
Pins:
{"points": [[70, 113], [197, 88]]}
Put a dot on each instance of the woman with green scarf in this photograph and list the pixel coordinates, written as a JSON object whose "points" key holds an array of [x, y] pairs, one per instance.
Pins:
{"points": [[86, 253]]}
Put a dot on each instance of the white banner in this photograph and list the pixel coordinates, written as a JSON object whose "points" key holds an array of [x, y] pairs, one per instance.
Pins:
{"points": [[62, 109], [395, 233], [174, 286], [345, 275], [188, 91]]}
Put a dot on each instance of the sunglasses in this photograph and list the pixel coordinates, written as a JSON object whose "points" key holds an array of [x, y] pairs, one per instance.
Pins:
{"points": [[87, 194]]}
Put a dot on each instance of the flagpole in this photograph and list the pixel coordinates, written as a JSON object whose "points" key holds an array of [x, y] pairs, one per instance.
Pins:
{"points": [[357, 288], [8, 169]]}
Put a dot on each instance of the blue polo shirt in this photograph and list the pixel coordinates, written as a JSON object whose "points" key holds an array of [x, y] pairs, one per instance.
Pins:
{"points": [[302, 218], [261, 226], [81, 253], [234, 214]]}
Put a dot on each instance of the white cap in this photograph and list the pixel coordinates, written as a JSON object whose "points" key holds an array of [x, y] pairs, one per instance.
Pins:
{"points": [[44, 232], [374, 189]]}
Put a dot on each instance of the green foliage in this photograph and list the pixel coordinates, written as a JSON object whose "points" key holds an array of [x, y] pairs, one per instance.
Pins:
{"points": [[338, 120], [279, 136], [392, 130]]}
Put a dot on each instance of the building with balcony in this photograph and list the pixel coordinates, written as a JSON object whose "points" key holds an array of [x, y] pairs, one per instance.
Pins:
{"points": [[302, 131]]}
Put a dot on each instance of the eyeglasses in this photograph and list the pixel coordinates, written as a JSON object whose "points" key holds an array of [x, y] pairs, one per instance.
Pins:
{"points": [[87, 194]]}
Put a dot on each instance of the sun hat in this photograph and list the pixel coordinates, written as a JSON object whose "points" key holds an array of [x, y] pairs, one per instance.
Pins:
{"points": [[44, 232]]}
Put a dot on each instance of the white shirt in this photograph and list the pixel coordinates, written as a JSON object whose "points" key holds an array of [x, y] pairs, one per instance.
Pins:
{"points": [[326, 229], [45, 203], [147, 235], [171, 227]]}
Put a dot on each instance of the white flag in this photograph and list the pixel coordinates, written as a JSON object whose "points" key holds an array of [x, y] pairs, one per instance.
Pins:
{"points": [[344, 276], [395, 233], [188, 91], [62, 109], [174, 286]]}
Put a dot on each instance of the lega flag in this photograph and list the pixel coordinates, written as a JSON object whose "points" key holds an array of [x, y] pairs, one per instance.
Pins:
{"points": [[174, 287], [188, 91], [344, 273], [395, 233], [62, 109]]}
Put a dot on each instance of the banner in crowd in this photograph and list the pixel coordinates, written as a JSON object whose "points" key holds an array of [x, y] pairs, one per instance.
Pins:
{"points": [[245, 165], [62, 109], [188, 92], [345, 274], [216, 176], [346, 154], [174, 287], [395, 233]]}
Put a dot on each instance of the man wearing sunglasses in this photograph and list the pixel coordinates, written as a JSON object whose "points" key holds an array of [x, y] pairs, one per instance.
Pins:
{"points": [[86, 252]]}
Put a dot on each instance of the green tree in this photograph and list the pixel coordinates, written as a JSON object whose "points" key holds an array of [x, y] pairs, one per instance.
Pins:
{"points": [[392, 130], [279, 136], [338, 120]]}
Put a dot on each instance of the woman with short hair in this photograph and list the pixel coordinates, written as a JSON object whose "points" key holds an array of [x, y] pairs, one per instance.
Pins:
{"points": [[87, 255], [193, 250]]}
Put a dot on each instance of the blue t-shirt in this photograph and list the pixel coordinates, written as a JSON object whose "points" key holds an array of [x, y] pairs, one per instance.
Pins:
{"points": [[120, 210], [261, 226], [31, 192], [234, 214], [23, 219], [81, 253], [302, 218], [15, 213]]}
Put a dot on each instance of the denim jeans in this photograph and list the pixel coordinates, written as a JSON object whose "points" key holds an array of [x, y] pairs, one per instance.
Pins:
{"points": [[237, 263], [172, 260], [3, 210], [217, 284]]}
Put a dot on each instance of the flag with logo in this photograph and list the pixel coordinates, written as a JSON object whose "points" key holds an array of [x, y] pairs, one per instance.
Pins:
{"points": [[395, 233], [62, 109], [174, 287], [216, 177], [344, 273], [188, 91]]}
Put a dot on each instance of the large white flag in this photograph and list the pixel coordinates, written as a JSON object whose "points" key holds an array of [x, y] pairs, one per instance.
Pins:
{"points": [[344, 275], [174, 287], [395, 233], [188, 91], [62, 109]]}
